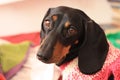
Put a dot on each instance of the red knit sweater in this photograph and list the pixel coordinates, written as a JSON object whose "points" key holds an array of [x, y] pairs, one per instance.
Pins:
{"points": [[70, 70]]}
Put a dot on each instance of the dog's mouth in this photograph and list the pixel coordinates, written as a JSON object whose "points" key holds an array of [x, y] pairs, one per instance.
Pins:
{"points": [[44, 60], [49, 61]]}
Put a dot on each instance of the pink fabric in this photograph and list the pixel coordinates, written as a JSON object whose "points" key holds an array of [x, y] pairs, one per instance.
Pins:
{"points": [[70, 70]]}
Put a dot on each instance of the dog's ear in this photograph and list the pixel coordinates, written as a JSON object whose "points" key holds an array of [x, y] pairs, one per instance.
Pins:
{"points": [[93, 51]]}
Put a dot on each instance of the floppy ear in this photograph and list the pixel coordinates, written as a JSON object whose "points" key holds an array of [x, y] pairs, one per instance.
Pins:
{"points": [[93, 51]]}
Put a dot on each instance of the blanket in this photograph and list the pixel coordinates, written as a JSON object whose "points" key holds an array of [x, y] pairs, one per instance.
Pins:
{"points": [[2, 77], [12, 57], [33, 37]]}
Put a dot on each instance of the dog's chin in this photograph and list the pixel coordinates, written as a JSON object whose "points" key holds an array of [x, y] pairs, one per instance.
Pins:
{"points": [[44, 60], [52, 61]]}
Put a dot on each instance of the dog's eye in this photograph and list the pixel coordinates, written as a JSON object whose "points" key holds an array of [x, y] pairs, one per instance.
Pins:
{"points": [[72, 31], [47, 24]]}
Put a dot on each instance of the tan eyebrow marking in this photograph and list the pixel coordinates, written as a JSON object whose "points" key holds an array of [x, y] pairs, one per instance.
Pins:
{"points": [[76, 42], [54, 17], [67, 24]]}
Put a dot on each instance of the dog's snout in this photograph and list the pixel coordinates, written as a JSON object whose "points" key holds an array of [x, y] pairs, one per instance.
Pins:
{"points": [[42, 57]]}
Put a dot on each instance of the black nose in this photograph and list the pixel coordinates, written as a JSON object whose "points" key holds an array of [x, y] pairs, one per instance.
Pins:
{"points": [[42, 57]]}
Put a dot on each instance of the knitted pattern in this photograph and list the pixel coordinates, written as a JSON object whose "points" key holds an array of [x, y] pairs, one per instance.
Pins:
{"points": [[70, 70]]}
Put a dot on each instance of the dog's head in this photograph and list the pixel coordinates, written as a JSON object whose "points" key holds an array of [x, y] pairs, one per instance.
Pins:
{"points": [[67, 33]]}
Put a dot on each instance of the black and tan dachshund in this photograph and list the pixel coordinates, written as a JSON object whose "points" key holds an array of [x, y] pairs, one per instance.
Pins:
{"points": [[67, 33]]}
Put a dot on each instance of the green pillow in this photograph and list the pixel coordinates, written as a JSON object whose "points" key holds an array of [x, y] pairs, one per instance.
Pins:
{"points": [[12, 55], [114, 38]]}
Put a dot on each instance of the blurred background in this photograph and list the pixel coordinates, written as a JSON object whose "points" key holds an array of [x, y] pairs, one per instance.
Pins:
{"points": [[18, 16]]}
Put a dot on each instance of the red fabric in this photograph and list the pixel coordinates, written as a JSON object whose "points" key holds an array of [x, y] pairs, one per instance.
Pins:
{"points": [[33, 37], [2, 77]]}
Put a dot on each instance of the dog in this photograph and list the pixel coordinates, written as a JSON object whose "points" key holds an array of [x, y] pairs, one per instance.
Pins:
{"points": [[68, 34]]}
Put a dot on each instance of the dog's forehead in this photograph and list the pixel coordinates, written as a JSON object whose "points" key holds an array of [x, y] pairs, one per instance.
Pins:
{"points": [[67, 14], [70, 13], [62, 10], [55, 11]]}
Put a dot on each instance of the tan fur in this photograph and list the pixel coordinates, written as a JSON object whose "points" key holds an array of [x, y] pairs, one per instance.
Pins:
{"points": [[67, 24], [54, 17], [59, 52]]}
